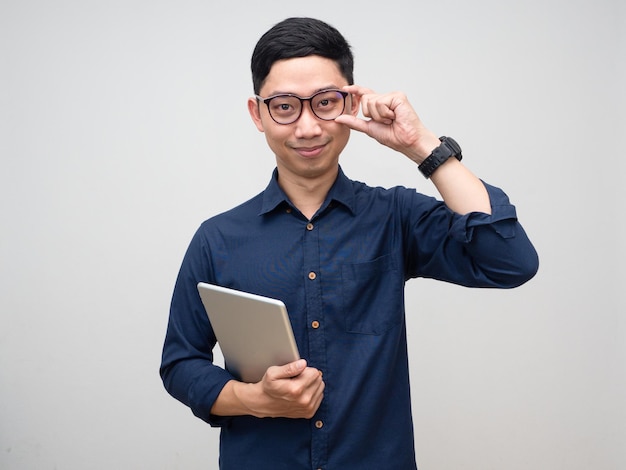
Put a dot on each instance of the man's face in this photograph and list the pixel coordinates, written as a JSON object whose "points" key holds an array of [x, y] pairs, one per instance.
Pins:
{"points": [[309, 147]]}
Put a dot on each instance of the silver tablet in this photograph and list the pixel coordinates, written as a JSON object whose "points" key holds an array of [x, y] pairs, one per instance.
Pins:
{"points": [[254, 332]]}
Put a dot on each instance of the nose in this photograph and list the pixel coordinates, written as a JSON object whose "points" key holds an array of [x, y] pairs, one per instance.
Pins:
{"points": [[308, 125]]}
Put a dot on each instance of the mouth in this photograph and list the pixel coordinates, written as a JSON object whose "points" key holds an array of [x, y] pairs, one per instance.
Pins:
{"points": [[309, 152]]}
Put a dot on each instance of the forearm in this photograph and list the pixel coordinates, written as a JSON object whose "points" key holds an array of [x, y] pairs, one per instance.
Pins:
{"points": [[460, 189], [236, 399], [393, 122]]}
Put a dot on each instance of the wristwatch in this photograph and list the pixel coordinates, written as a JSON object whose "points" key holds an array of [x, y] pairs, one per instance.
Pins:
{"points": [[448, 148]]}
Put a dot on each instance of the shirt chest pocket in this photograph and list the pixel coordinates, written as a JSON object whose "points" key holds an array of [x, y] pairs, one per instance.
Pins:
{"points": [[372, 294]]}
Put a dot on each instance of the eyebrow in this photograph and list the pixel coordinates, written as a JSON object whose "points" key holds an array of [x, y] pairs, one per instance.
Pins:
{"points": [[329, 87]]}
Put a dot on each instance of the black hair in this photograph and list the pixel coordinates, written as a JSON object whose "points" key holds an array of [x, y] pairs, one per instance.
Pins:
{"points": [[300, 37]]}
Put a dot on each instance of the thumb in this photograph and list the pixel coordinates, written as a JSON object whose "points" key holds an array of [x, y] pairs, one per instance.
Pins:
{"points": [[292, 369], [352, 122]]}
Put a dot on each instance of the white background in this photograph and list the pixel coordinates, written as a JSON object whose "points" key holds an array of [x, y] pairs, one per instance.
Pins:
{"points": [[123, 125]]}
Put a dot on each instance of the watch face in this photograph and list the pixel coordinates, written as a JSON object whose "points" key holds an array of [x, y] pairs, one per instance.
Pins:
{"points": [[454, 146]]}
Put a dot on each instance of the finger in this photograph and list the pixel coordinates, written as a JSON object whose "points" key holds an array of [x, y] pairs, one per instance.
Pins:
{"points": [[293, 369], [362, 95], [358, 90], [385, 110], [379, 108], [319, 395], [312, 375], [314, 383], [352, 122]]}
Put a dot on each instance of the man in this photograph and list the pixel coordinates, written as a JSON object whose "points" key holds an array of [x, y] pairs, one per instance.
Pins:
{"points": [[338, 253]]}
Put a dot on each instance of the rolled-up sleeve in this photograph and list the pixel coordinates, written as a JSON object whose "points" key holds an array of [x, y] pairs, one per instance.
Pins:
{"points": [[187, 367], [480, 250]]}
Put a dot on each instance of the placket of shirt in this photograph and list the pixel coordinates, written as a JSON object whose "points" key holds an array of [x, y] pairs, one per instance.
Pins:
{"points": [[316, 328]]}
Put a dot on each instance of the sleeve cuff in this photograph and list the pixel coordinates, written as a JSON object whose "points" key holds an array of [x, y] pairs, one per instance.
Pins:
{"points": [[202, 403], [503, 218]]}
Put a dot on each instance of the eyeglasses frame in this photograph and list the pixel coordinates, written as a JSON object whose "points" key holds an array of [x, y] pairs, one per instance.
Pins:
{"points": [[302, 100]]}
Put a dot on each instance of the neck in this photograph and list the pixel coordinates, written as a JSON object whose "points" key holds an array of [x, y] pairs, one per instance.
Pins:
{"points": [[307, 194]]}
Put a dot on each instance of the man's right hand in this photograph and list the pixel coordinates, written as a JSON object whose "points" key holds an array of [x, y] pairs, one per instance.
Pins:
{"points": [[290, 391]]}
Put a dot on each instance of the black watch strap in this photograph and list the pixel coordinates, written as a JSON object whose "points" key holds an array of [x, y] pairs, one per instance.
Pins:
{"points": [[448, 148]]}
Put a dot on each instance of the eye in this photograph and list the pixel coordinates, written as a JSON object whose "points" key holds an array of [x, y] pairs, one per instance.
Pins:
{"points": [[278, 106], [328, 104], [284, 105]]}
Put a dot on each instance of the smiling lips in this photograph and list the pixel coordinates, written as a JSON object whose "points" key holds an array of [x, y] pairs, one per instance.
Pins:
{"points": [[309, 152]]}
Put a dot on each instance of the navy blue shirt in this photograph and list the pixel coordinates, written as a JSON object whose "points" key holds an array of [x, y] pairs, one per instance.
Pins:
{"points": [[342, 276]]}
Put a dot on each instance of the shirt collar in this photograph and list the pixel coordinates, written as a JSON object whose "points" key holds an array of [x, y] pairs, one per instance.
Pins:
{"points": [[341, 191]]}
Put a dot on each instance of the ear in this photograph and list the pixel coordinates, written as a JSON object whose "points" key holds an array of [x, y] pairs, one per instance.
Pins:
{"points": [[255, 113], [355, 102]]}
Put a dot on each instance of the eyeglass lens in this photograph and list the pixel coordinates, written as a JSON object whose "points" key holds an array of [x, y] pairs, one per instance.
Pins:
{"points": [[326, 105]]}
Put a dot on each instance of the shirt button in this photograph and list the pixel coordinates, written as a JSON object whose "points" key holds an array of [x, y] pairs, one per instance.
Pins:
{"points": [[288, 210], [315, 324], [312, 276], [319, 424], [309, 226]]}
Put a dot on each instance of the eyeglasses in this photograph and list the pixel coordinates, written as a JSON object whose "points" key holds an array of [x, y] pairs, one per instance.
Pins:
{"points": [[287, 108]]}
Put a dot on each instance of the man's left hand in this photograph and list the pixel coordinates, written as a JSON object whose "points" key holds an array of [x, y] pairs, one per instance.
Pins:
{"points": [[392, 122]]}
